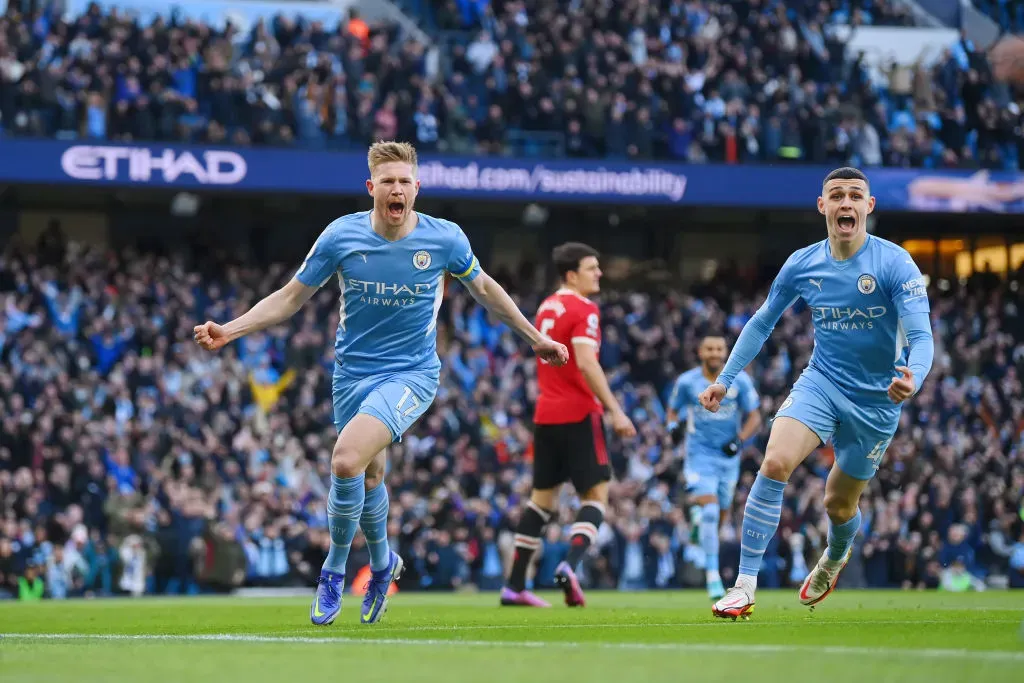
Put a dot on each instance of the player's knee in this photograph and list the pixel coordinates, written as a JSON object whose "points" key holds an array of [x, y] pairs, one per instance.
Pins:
{"points": [[776, 465], [839, 507], [346, 462]]}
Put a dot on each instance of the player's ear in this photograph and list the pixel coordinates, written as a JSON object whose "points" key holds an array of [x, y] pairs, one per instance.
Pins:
{"points": [[821, 205], [369, 187], [871, 204], [417, 186]]}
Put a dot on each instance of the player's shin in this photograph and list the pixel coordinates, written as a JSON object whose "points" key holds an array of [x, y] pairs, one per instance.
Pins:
{"points": [[344, 508], [840, 537], [760, 521], [710, 516], [374, 523], [527, 542], [584, 531]]}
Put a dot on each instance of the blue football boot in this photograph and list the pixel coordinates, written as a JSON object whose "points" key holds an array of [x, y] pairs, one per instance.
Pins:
{"points": [[327, 601], [375, 604]]}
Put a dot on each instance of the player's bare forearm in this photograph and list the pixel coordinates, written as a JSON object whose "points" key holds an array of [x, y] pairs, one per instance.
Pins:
{"points": [[495, 299], [273, 309], [590, 368], [750, 425]]}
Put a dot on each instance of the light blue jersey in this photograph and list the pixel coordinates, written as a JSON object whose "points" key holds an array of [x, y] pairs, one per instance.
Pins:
{"points": [[386, 362], [390, 291], [707, 432], [870, 314], [708, 470]]}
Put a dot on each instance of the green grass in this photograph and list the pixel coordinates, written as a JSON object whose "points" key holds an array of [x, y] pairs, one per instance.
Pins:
{"points": [[867, 637]]}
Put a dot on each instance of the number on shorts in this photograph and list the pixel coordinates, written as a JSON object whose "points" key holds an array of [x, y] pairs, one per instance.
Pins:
{"points": [[876, 454], [406, 395]]}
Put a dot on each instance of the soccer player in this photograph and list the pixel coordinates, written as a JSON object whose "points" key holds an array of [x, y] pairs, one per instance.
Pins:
{"points": [[569, 442], [713, 442], [868, 304], [391, 264]]}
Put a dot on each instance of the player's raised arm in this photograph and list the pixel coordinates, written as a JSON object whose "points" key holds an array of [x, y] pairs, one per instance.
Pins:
{"points": [[910, 297], [753, 336], [275, 308], [464, 266]]}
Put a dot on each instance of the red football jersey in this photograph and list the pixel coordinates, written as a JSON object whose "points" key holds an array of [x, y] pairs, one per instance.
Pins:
{"points": [[565, 396]]}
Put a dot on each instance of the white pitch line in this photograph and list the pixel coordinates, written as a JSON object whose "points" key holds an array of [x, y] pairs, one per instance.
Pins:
{"points": [[679, 624], [930, 653]]}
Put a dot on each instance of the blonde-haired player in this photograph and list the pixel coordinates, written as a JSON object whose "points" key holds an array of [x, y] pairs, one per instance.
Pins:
{"points": [[391, 264]]}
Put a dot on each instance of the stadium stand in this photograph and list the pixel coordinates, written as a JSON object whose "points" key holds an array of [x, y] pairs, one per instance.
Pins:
{"points": [[697, 82], [131, 462]]}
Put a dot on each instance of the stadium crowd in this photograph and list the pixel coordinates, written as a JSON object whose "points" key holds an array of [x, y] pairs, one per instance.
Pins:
{"points": [[131, 462], [696, 81]]}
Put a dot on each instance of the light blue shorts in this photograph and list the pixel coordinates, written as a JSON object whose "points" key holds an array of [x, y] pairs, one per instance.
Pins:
{"points": [[859, 433], [709, 473], [396, 399]]}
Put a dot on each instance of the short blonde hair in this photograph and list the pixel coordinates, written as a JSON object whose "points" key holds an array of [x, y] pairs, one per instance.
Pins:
{"points": [[387, 152]]}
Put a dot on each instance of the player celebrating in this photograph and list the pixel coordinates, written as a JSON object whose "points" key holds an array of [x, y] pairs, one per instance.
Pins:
{"points": [[391, 264], [569, 441], [712, 445], [868, 301]]}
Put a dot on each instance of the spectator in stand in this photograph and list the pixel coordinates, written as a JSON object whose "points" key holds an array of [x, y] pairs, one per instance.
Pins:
{"points": [[697, 82]]}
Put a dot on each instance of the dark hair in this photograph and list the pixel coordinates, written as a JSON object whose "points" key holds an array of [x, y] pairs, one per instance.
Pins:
{"points": [[845, 173], [567, 256]]}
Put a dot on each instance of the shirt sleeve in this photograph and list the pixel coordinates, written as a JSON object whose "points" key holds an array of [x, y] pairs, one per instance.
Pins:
{"points": [[322, 261], [918, 329], [755, 333], [907, 288], [462, 262], [587, 328]]}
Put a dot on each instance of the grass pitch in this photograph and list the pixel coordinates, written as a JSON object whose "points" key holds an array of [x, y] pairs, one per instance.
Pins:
{"points": [[862, 637]]}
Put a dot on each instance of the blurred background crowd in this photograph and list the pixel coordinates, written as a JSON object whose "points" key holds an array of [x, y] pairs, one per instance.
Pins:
{"points": [[132, 462], [694, 81]]}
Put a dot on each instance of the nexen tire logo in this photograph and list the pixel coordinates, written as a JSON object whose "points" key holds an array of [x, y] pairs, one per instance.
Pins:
{"points": [[217, 167]]}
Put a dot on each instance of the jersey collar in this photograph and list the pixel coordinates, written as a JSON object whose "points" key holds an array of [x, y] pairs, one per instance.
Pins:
{"points": [[846, 262]]}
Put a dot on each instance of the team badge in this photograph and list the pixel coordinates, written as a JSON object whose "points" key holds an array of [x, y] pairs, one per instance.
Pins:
{"points": [[421, 260], [732, 393], [865, 284], [785, 404]]}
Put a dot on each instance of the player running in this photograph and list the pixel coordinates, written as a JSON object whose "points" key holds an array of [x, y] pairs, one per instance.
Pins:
{"points": [[391, 264], [713, 442], [569, 441], [868, 303]]}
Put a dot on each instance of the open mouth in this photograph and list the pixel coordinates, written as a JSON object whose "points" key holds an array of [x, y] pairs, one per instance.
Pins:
{"points": [[846, 221], [396, 209]]}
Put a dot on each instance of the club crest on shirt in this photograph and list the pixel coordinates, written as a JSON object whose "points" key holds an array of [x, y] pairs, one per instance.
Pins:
{"points": [[866, 284], [421, 260], [732, 393]]}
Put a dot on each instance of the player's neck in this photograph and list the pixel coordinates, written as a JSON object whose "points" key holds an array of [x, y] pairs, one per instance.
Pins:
{"points": [[845, 250], [708, 375], [563, 287], [393, 234]]}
